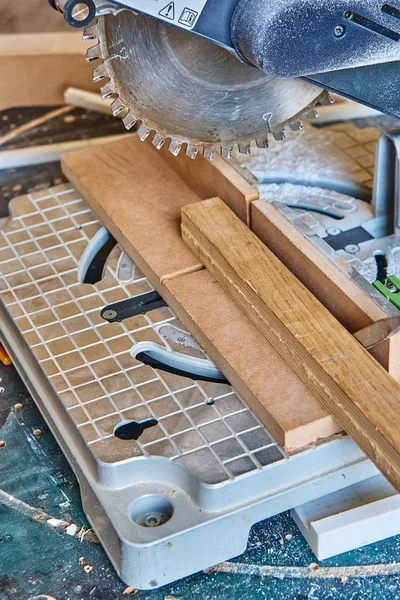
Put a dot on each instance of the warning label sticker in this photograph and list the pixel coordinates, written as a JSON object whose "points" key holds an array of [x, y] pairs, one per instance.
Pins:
{"points": [[182, 13]]}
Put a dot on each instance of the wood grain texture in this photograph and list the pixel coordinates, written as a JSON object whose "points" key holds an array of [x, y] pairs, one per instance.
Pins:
{"points": [[265, 381], [36, 69], [138, 197], [349, 382], [337, 292], [216, 178]]}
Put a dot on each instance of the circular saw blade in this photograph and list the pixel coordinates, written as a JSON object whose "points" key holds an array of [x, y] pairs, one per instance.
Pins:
{"points": [[190, 92]]}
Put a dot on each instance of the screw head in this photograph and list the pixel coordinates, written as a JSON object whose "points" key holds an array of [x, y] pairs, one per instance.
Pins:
{"points": [[352, 249], [339, 31], [109, 314]]}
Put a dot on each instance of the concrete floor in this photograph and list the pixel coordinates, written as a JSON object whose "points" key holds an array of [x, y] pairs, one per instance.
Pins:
{"points": [[29, 16]]}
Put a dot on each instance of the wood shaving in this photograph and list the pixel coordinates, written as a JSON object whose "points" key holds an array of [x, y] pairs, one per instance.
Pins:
{"points": [[88, 568], [130, 591]]}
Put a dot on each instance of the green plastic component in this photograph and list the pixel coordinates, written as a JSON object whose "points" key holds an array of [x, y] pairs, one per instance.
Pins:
{"points": [[392, 296]]}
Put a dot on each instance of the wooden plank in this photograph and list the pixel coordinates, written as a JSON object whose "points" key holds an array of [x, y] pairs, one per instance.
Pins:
{"points": [[36, 69], [217, 178], [349, 382], [259, 374], [138, 197], [337, 292]]}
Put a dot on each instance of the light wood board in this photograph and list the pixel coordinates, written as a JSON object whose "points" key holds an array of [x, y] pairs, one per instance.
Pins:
{"points": [[36, 69], [349, 382], [258, 373]]}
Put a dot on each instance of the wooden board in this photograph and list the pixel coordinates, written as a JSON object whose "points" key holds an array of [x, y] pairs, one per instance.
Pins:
{"points": [[349, 382], [264, 380], [337, 292], [217, 178], [36, 69], [133, 178], [139, 197]]}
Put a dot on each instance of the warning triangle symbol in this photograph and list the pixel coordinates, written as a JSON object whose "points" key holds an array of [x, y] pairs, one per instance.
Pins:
{"points": [[168, 11]]}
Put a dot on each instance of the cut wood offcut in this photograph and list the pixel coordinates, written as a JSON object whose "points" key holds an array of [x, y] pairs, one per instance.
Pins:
{"points": [[348, 381]]}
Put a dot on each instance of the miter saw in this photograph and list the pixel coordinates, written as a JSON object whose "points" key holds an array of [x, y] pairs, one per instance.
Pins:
{"points": [[212, 74]]}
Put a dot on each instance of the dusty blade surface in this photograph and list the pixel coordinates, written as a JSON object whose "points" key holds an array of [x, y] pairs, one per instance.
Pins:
{"points": [[190, 91]]}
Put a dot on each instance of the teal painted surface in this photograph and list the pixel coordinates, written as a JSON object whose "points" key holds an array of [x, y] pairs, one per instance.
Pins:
{"points": [[35, 559]]}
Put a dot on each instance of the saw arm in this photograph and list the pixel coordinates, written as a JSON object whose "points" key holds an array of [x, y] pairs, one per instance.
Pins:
{"points": [[329, 43], [207, 75]]}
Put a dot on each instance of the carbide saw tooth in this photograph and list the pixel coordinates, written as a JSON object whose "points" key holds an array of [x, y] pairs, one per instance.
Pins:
{"points": [[158, 141], [174, 147], [93, 53], [296, 126], [326, 99], [129, 121], [262, 143], [89, 33], [99, 73], [107, 91], [192, 151], [117, 107], [143, 132], [227, 151], [312, 114], [209, 152], [280, 135], [244, 148]]}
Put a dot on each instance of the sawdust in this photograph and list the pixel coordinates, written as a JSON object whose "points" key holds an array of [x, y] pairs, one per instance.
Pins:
{"points": [[313, 571], [314, 151]]}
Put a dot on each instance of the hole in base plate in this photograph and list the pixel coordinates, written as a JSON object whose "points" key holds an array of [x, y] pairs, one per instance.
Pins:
{"points": [[151, 511], [132, 430]]}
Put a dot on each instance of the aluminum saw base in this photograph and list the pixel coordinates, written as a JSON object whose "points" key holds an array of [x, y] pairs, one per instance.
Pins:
{"points": [[184, 496]]}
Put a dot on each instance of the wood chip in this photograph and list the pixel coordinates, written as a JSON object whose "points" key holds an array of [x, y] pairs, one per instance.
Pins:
{"points": [[88, 568], [130, 591]]}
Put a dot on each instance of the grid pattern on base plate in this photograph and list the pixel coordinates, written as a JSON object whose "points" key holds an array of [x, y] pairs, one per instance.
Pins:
{"points": [[87, 360]]}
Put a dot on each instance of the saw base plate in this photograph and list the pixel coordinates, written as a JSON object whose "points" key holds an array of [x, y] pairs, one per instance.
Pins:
{"points": [[207, 471]]}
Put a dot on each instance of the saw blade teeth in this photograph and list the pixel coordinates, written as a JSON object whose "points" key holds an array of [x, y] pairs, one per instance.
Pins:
{"points": [[158, 141], [129, 121], [312, 114], [90, 33], [107, 91], [174, 147], [326, 99], [244, 148], [192, 151], [93, 53], [227, 151], [117, 107], [99, 73], [279, 136], [296, 126], [143, 132], [209, 152], [262, 143]]}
